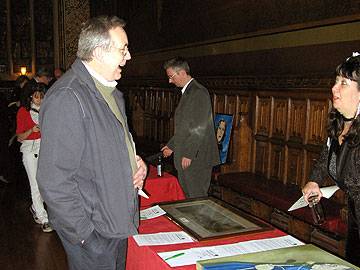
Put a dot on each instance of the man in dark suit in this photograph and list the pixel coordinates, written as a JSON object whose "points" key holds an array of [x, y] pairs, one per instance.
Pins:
{"points": [[194, 143]]}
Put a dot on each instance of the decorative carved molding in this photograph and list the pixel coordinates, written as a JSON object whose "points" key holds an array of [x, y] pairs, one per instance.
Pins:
{"points": [[226, 83], [74, 13]]}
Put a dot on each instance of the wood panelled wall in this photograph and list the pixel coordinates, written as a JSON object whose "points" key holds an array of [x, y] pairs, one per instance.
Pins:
{"points": [[288, 129], [277, 133]]}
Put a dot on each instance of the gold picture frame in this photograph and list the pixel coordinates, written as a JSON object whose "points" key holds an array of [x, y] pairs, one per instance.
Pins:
{"points": [[208, 218]]}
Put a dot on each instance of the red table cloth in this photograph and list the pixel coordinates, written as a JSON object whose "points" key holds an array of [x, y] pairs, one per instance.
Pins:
{"points": [[146, 258], [161, 189]]}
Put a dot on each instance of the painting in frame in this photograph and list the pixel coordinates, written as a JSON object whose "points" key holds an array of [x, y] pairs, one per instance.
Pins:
{"points": [[208, 218], [223, 126]]}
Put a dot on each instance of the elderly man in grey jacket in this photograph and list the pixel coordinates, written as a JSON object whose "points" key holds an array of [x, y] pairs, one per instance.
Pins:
{"points": [[89, 174]]}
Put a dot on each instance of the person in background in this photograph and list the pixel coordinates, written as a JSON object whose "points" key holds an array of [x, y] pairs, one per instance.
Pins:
{"points": [[58, 72], [15, 103], [194, 143], [340, 158], [28, 133], [89, 173], [42, 75], [14, 157], [20, 83]]}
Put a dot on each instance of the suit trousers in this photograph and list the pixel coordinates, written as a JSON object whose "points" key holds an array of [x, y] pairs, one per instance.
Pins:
{"points": [[96, 253], [195, 180]]}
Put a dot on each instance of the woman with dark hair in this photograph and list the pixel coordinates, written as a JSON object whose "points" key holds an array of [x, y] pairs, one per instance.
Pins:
{"points": [[340, 158], [28, 133]]}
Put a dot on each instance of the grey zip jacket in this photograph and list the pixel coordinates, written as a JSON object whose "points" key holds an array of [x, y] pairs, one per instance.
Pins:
{"points": [[84, 172]]}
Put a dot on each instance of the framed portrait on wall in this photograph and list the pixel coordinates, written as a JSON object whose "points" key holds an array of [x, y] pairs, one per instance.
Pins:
{"points": [[223, 126]]}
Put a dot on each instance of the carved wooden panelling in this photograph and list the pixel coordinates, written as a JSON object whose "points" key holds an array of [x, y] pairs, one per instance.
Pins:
{"points": [[231, 105], [137, 115], [280, 118], [318, 113], [150, 101], [243, 109], [158, 103], [277, 134], [277, 162], [244, 104], [219, 103], [297, 120], [166, 106], [263, 116], [261, 157], [295, 166], [311, 158]]}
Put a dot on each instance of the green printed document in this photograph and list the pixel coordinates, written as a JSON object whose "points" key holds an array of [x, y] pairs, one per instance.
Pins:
{"points": [[304, 257]]}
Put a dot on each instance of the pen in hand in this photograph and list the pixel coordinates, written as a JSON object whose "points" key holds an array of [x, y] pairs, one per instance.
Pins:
{"points": [[175, 256]]}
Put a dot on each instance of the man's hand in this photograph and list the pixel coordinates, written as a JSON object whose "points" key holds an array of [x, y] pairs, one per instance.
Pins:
{"points": [[185, 162], [140, 174], [166, 151]]}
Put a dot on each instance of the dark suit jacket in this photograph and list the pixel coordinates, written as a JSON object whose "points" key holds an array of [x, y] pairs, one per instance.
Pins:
{"points": [[194, 134]]}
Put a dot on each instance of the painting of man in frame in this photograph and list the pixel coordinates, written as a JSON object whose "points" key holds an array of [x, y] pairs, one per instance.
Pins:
{"points": [[223, 126]]}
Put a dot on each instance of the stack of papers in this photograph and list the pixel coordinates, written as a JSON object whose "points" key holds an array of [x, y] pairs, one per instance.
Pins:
{"points": [[151, 212], [164, 238], [192, 255]]}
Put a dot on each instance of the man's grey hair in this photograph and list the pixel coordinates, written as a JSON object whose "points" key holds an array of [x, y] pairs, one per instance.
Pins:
{"points": [[177, 64], [95, 33]]}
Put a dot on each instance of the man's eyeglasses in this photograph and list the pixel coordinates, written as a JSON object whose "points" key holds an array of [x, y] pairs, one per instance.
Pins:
{"points": [[172, 76], [123, 51]]}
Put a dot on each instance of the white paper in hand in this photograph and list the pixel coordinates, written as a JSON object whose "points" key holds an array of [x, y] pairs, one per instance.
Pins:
{"points": [[326, 191]]}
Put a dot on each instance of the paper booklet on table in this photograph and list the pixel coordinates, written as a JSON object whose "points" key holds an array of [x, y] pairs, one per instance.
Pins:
{"points": [[192, 255]]}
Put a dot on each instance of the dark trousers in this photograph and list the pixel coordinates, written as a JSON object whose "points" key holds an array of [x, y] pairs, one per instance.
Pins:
{"points": [[353, 240], [195, 180], [97, 253]]}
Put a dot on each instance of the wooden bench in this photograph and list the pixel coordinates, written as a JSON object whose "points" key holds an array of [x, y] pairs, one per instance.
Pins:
{"points": [[270, 200]]}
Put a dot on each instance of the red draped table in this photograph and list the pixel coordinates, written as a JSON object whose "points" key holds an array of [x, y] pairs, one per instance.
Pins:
{"points": [[161, 189], [146, 258]]}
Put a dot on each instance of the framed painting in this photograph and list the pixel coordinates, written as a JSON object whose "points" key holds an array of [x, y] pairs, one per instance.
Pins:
{"points": [[207, 218], [223, 126]]}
